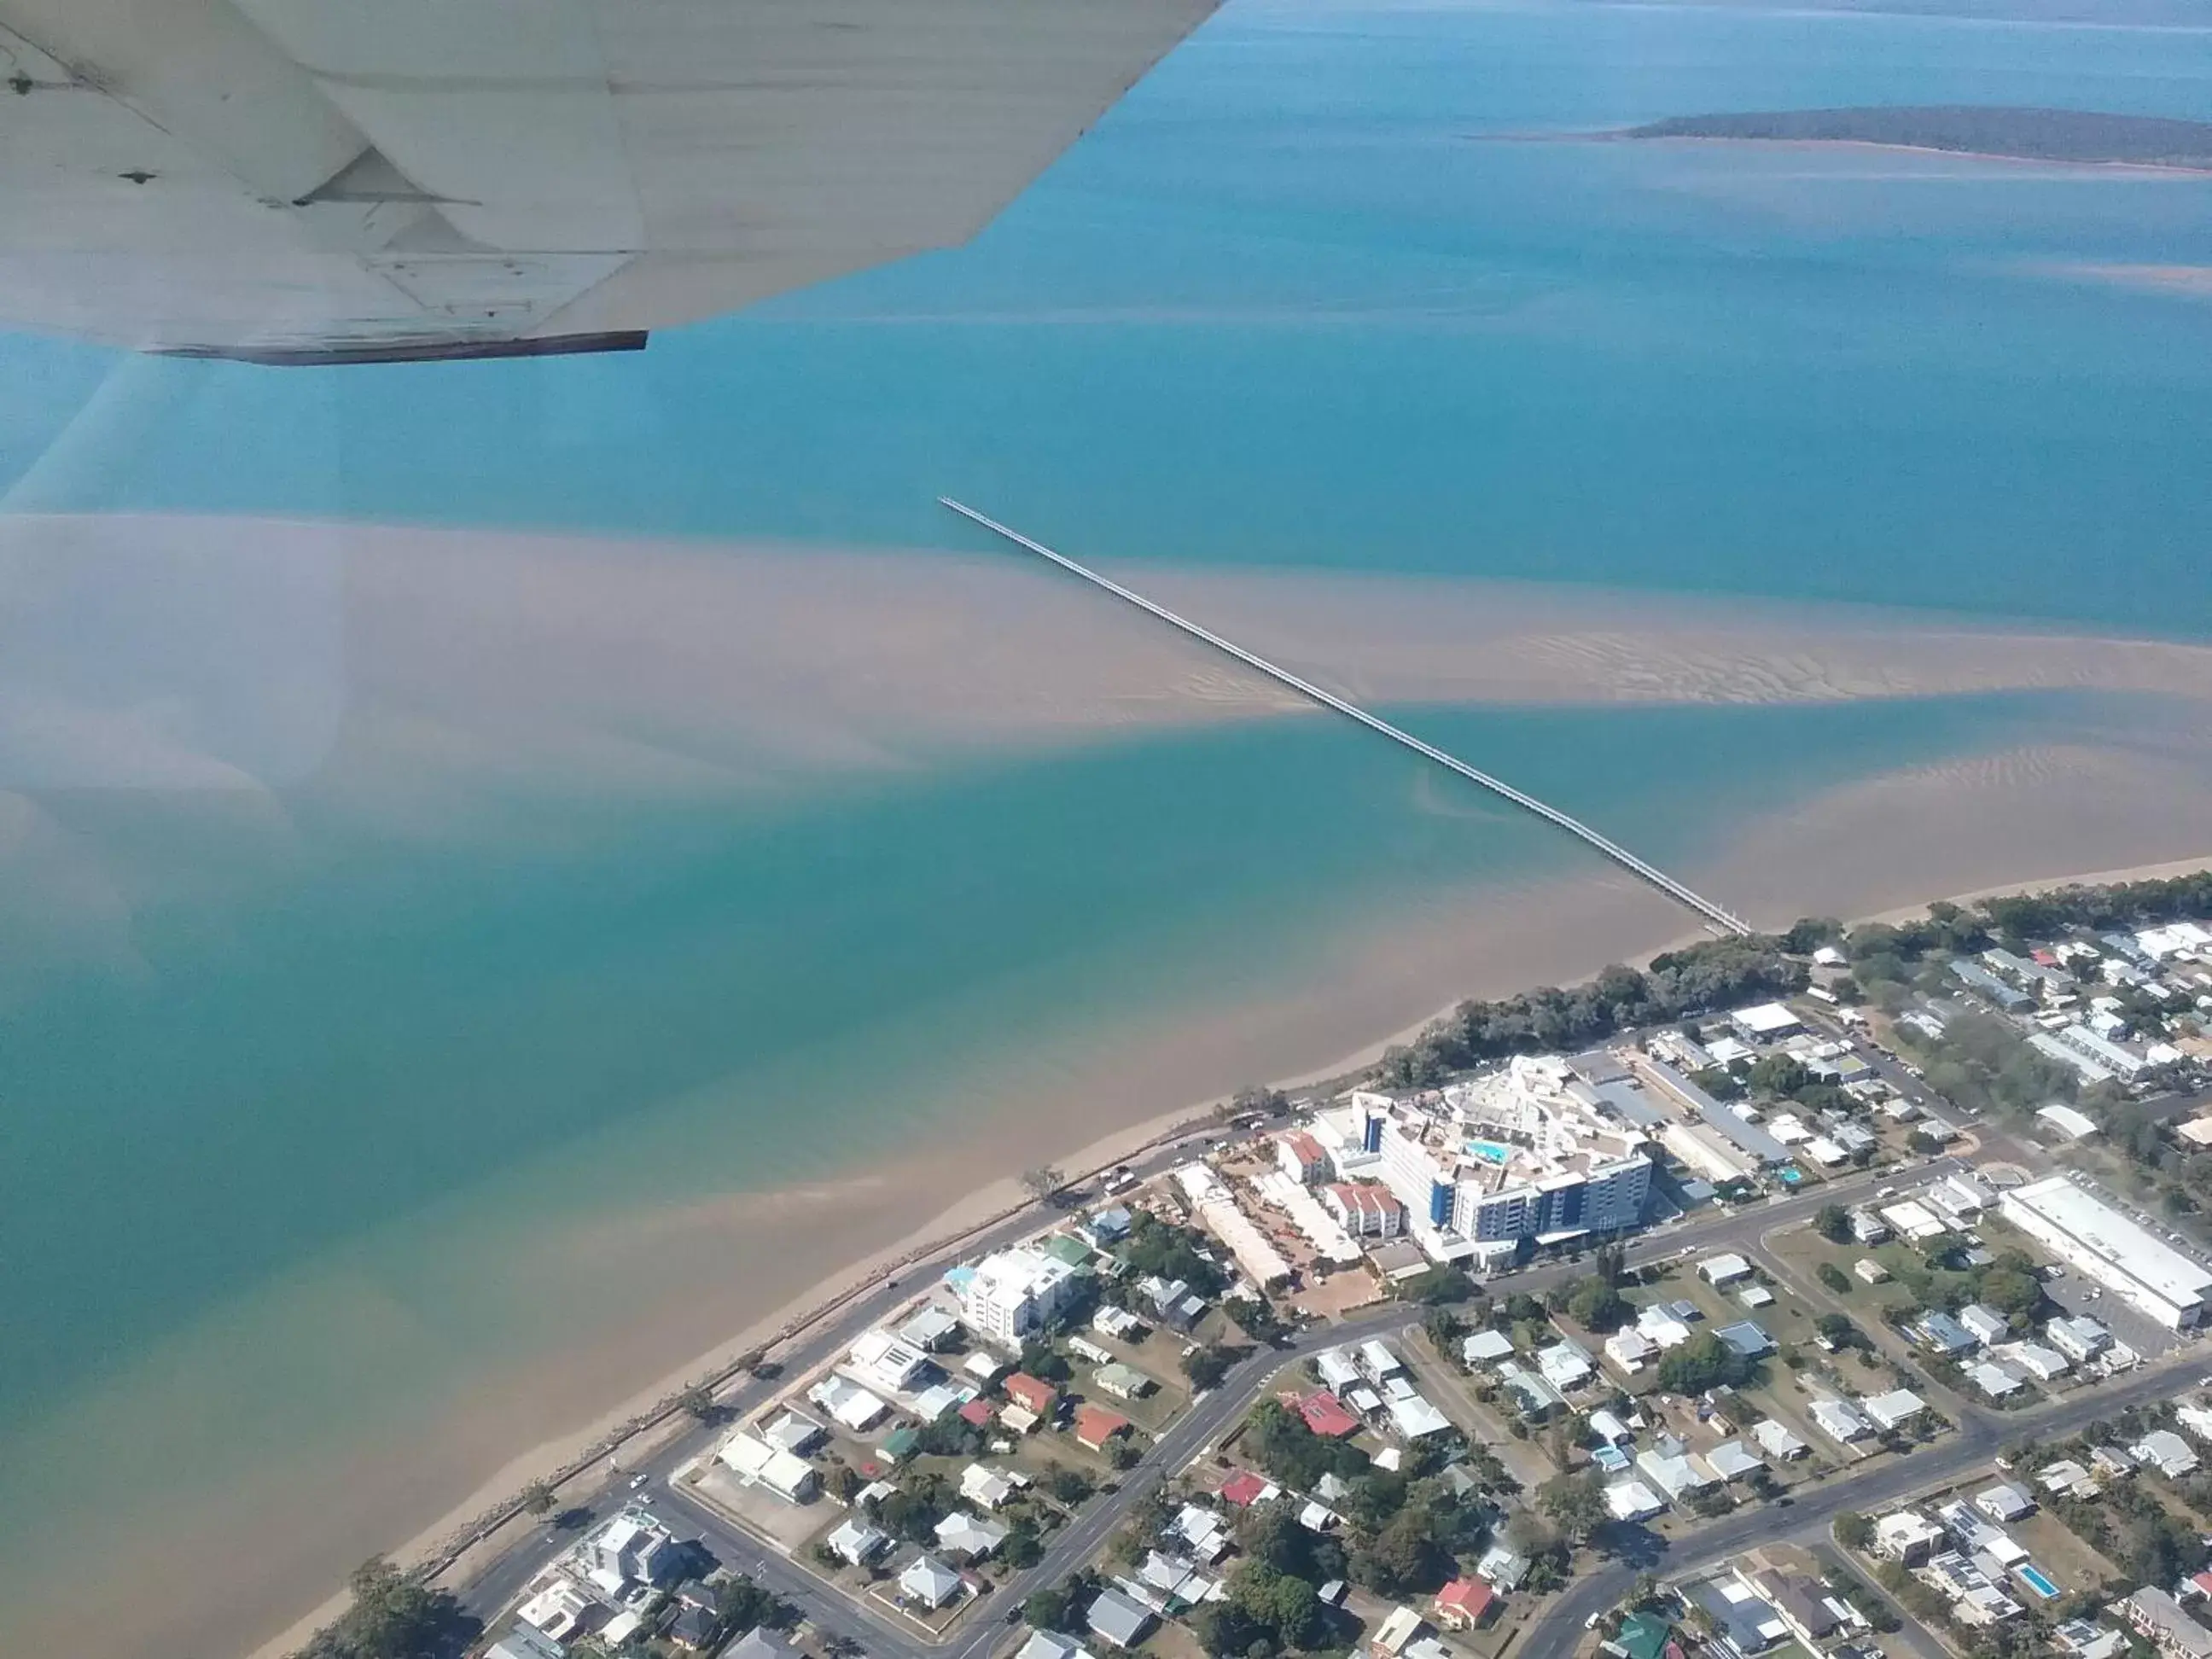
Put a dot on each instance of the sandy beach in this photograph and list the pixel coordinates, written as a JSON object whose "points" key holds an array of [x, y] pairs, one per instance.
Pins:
{"points": [[1542, 915], [432, 688]]}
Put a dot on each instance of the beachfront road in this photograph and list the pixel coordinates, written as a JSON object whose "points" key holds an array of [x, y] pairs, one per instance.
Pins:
{"points": [[883, 1632]]}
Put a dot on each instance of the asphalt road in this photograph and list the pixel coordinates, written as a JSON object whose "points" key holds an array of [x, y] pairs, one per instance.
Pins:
{"points": [[1806, 1520], [882, 1631]]}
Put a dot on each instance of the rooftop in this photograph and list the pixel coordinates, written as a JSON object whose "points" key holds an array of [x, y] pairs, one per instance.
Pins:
{"points": [[2103, 1231]]}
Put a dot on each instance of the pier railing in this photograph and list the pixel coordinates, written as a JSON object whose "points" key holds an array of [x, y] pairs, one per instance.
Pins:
{"points": [[1705, 907]]}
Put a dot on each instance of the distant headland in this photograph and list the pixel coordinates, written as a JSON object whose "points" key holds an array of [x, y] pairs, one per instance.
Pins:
{"points": [[1994, 129]]}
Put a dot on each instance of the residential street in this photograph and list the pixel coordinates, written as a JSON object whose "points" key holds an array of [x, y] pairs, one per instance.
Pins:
{"points": [[883, 1632]]}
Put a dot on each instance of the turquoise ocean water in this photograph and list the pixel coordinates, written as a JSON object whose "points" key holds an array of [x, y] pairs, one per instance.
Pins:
{"points": [[1337, 287]]}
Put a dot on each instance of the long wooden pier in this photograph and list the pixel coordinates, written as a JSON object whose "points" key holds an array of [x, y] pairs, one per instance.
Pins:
{"points": [[1710, 912]]}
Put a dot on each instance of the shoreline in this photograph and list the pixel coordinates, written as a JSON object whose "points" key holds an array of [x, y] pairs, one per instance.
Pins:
{"points": [[984, 1206]]}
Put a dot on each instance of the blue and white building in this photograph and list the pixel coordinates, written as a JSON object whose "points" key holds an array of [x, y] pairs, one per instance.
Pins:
{"points": [[1528, 1153]]}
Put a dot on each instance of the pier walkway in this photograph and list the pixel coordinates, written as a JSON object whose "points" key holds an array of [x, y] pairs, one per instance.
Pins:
{"points": [[1659, 878]]}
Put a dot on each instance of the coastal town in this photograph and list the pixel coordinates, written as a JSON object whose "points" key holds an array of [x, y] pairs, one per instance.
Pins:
{"points": [[1834, 1293]]}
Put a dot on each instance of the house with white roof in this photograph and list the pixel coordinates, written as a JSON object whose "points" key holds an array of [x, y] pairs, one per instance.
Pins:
{"points": [[1662, 1327], [855, 1543], [1767, 1021], [928, 1583], [1051, 1644], [1673, 1473], [1415, 1418], [1894, 1409], [1632, 1500], [2166, 1452], [2077, 1337], [1337, 1372], [1907, 1536], [880, 1361], [1722, 1270], [2005, 1502], [1986, 1323], [1377, 1360], [1204, 1535], [1483, 1348], [1565, 1364], [1629, 1350], [1994, 1380], [1608, 1428], [2066, 1479], [1118, 1323], [848, 1402], [1913, 1221], [1776, 1439], [764, 1464], [1730, 1461], [990, 1487], [1840, 1420], [559, 1608], [967, 1537], [2038, 1361]]}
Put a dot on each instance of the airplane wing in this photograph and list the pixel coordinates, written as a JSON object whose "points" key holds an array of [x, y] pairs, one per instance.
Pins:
{"points": [[330, 180]]}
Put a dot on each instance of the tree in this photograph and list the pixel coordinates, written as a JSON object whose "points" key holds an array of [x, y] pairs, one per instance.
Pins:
{"points": [[1044, 1182], [910, 1515], [1808, 933], [1779, 1074], [1400, 1559], [1205, 1366], [391, 1616], [1834, 1277], [1575, 1504], [698, 1402], [1068, 1487], [538, 1498], [1256, 1317], [1268, 1103], [1438, 1286], [1049, 1608], [741, 1604], [1443, 1328], [2010, 1289], [1853, 1530], [1279, 1608], [1704, 1362], [1838, 1330], [1044, 1362], [1596, 1305], [1832, 1223]]}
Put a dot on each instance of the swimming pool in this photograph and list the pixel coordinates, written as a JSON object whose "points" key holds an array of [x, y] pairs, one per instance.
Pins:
{"points": [[2036, 1579]]}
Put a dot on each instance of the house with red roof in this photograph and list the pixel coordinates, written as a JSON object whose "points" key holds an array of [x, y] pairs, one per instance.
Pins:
{"points": [[1243, 1489], [1032, 1395], [977, 1412], [1325, 1414], [1464, 1603], [1095, 1426], [1301, 1157], [1364, 1210]]}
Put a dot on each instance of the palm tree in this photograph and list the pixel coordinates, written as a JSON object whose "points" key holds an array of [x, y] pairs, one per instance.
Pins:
{"points": [[538, 1498]]}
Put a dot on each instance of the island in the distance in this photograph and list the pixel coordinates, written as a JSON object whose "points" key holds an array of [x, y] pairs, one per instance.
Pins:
{"points": [[1996, 130]]}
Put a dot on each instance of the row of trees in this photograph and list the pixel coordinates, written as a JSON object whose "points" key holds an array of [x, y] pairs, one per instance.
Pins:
{"points": [[392, 1616], [1718, 973]]}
